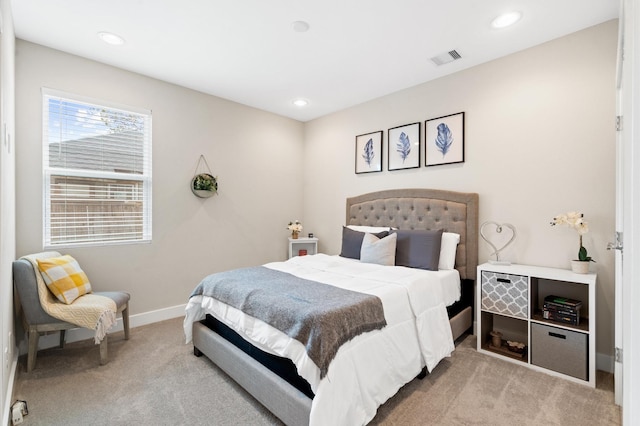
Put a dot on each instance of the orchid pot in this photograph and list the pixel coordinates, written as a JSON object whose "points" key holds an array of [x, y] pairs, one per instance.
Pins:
{"points": [[580, 266]]}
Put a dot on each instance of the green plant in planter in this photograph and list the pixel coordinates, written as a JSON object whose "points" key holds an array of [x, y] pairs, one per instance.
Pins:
{"points": [[205, 182]]}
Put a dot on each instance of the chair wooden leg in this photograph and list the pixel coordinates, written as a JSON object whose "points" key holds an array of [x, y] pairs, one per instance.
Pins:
{"points": [[103, 351], [62, 335], [33, 350], [125, 321]]}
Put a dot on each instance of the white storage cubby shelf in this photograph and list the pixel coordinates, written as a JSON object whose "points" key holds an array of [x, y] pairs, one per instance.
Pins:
{"points": [[509, 300], [298, 244]]}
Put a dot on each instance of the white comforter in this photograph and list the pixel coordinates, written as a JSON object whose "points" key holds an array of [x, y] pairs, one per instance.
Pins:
{"points": [[372, 367]]}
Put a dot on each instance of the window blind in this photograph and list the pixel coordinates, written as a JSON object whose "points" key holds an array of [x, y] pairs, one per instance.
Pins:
{"points": [[97, 172]]}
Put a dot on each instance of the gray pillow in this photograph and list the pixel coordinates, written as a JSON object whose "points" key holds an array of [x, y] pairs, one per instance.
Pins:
{"points": [[418, 248], [381, 251], [352, 242]]}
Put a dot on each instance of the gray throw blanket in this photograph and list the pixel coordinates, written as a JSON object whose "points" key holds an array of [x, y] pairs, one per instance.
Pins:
{"points": [[320, 316]]}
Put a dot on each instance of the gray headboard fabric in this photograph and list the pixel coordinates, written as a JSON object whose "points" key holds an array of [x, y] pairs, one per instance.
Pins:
{"points": [[421, 208]]}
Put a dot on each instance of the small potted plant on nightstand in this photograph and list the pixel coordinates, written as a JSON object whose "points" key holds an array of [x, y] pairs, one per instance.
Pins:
{"points": [[295, 228], [204, 185]]}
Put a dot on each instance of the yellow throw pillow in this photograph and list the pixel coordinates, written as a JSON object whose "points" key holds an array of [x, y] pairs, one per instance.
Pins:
{"points": [[64, 278]]}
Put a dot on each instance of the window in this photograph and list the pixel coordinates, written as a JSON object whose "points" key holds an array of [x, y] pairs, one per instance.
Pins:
{"points": [[97, 172]]}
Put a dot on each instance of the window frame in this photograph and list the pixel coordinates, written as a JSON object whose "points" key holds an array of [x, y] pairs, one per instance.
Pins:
{"points": [[48, 172]]}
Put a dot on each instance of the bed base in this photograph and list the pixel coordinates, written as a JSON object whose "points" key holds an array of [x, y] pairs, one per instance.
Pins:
{"points": [[286, 402], [276, 394]]}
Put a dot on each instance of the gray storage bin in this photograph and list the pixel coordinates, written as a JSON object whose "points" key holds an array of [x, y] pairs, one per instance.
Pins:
{"points": [[560, 350], [505, 294]]}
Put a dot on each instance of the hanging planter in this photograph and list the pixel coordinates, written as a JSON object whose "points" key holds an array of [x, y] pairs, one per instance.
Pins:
{"points": [[204, 184]]}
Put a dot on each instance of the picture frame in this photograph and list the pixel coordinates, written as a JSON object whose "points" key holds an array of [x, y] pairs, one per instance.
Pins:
{"points": [[403, 143], [444, 140], [369, 152]]}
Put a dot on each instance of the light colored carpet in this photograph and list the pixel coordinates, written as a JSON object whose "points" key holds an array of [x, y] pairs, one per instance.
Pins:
{"points": [[154, 379]]}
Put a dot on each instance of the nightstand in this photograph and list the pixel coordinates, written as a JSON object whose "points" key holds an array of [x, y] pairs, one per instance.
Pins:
{"points": [[302, 246]]}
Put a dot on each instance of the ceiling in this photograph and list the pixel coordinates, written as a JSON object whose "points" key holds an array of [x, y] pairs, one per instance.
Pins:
{"points": [[247, 51]]}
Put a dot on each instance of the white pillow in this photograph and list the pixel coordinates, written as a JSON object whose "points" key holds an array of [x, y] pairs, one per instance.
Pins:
{"points": [[379, 251], [369, 229], [448, 249]]}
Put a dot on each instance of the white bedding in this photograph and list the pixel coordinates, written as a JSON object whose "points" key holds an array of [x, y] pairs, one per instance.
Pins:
{"points": [[372, 367]]}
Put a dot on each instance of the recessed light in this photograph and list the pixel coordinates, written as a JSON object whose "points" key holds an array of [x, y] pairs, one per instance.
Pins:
{"points": [[506, 19], [301, 103], [300, 26], [111, 38]]}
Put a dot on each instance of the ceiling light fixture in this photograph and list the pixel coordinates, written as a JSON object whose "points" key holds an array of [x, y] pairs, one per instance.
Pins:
{"points": [[111, 38], [506, 19], [301, 103], [300, 26]]}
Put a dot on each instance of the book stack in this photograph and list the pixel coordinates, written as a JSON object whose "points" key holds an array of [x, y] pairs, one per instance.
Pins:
{"points": [[562, 309], [302, 252]]}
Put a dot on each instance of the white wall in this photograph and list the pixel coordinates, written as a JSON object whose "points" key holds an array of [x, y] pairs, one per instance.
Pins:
{"points": [[539, 141], [7, 203], [255, 154]]}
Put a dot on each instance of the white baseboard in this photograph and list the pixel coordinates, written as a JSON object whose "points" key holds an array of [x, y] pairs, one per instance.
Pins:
{"points": [[6, 412], [77, 334], [604, 362]]}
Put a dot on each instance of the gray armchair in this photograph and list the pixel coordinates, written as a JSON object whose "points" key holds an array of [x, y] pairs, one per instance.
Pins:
{"points": [[36, 321]]}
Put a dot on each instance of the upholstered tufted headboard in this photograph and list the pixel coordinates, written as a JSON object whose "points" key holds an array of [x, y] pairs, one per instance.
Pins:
{"points": [[419, 208]]}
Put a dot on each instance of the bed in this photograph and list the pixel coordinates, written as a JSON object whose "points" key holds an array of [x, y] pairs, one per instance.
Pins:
{"points": [[355, 385]]}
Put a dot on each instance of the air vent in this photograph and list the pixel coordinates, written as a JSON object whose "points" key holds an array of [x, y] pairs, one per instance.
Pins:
{"points": [[445, 58]]}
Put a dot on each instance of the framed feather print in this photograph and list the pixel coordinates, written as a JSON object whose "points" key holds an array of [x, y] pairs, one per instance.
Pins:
{"points": [[404, 147], [369, 152], [444, 140]]}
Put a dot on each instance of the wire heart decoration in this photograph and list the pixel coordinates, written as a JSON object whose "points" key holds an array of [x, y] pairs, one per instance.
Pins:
{"points": [[498, 229]]}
